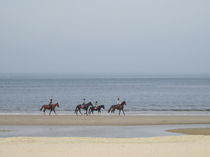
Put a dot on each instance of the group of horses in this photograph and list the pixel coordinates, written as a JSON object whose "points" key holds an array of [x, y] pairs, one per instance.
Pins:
{"points": [[88, 108]]}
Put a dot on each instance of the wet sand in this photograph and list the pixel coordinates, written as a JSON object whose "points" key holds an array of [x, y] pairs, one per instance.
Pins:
{"points": [[173, 146], [101, 120]]}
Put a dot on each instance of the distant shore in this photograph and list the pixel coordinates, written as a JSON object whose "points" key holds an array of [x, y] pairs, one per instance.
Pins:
{"points": [[101, 120]]}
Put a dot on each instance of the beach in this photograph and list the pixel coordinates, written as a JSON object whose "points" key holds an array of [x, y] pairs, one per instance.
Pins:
{"points": [[196, 144], [105, 78], [100, 120], [182, 146]]}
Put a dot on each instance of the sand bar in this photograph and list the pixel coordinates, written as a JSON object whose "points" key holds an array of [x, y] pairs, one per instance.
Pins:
{"points": [[192, 131], [182, 146], [100, 120]]}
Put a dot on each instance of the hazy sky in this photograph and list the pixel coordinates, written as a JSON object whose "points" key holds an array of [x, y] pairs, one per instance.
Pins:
{"points": [[105, 36]]}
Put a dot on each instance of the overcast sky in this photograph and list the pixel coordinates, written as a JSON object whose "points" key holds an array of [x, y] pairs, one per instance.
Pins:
{"points": [[105, 36]]}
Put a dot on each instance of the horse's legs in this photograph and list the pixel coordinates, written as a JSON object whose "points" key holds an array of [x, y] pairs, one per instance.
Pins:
{"points": [[76, 111], [86, 113], [90, 111], [54, 111], [50, 112], [119, 112], [44, 111], [123, 112]]}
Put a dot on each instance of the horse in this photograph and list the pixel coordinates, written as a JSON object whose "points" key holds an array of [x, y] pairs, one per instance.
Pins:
{"points": [[98, 108], [49, 107], [84, 107], [119, 107]]}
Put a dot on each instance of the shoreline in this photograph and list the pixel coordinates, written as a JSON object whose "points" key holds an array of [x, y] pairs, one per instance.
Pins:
{"points": [[101, 120], [128, 113]]}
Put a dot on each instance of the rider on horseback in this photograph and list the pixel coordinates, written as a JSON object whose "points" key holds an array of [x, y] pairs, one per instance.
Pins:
{"points": [[50, 103], [118, 101], [83, 103], [96, 104]]}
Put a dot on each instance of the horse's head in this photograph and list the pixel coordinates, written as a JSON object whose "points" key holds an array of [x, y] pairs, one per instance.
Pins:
{"points": [[57, 104], [124, 103], [102, 106], [89, 104]]}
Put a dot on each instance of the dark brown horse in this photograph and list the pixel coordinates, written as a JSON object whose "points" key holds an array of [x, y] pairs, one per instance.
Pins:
{"points": [[84, 107], [94, 108], [49, 107], [119, 107]]}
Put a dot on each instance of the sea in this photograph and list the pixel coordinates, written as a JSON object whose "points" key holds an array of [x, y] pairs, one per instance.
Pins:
{"points": [[144, 94]]}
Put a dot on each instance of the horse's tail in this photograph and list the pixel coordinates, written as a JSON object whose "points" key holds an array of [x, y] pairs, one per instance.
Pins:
{"points": [[110, 109], [89, 110], [41, 108], [76, 109]]}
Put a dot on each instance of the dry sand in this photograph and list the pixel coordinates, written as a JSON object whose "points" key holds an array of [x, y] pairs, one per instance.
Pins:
{"points": [[178, 146], [100, 120]]}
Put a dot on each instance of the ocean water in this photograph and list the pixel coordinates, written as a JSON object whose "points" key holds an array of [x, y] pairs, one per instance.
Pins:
{"points": [[25, 93]]}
